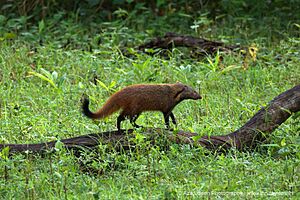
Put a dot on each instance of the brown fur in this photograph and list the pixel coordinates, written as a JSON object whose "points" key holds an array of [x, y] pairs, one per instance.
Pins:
{"points": [[135, 99]]}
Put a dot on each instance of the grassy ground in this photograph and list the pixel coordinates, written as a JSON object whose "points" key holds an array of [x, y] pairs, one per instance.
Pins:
{"points": [[41, 87]]}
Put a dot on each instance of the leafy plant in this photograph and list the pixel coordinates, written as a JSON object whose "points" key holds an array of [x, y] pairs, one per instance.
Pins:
{"points": [[51, 78]]}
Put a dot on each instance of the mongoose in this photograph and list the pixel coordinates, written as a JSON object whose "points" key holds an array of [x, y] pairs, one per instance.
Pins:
{"points": [[135, 99]]}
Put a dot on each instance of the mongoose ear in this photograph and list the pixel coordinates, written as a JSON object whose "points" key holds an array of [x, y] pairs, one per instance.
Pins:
{"points": [[178, 90]]}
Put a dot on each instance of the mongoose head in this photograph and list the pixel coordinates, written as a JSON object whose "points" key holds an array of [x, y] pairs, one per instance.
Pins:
{"points": [[185, 92]]}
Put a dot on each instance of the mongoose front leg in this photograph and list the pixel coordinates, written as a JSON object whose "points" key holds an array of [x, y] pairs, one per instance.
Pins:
{"points": [[173, 118]]}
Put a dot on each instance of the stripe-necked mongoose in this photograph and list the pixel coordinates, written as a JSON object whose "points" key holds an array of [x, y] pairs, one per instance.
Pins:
{"points": [[135, 99]]}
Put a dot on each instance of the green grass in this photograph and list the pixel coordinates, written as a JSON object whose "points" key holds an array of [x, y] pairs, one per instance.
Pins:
{"points": [[40, 101]]}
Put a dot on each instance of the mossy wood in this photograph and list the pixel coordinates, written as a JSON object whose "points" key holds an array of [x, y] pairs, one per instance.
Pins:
{"points": [[200, 46]]}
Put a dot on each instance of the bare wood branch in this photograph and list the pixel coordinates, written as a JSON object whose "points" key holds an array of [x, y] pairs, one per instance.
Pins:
{"points": [[255, 131]]}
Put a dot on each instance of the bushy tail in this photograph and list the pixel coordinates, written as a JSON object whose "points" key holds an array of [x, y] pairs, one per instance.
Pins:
{"points": [[107, 109]]}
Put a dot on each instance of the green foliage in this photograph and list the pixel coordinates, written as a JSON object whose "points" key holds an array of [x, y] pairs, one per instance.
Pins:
{"points": [[48, 62], [226, 20]]}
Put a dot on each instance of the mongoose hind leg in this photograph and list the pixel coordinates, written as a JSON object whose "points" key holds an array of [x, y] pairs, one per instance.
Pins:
{"points": [[119, 120], [133, 119], [173, 118], [167, 118]]}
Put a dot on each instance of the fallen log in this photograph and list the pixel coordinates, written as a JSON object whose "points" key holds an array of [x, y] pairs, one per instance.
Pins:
{"points": [[255, 131], [199, 46]]}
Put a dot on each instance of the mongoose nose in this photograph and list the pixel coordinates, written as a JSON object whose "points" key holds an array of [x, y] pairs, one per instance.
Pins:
{"points": [[198, 96]]}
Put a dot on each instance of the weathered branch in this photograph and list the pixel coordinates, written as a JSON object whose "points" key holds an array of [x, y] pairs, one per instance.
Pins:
{"points": [[265, 121]]}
